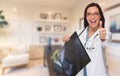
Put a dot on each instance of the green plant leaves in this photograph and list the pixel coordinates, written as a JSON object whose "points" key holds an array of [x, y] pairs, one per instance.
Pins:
{"points": [[3, 22], [1, 11]]}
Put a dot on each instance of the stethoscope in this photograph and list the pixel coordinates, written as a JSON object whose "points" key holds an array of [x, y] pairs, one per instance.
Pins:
{"points": [[92, 44], [93, 41]]}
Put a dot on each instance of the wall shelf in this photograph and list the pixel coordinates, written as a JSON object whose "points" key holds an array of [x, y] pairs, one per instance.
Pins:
{"points": [[44, 28], [50, 20]]}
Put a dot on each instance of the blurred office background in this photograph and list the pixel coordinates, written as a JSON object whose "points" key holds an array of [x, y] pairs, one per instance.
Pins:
{"points": [[32, 22]]}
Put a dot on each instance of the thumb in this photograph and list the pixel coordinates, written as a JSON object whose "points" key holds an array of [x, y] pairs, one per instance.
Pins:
{"points": [[100, 24]]}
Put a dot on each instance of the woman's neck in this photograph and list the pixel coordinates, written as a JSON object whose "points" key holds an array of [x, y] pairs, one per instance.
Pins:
{"points": [[91, 31]]}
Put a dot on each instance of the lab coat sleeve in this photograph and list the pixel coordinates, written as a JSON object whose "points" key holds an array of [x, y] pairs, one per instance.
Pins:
{"points": [[105, 44]]}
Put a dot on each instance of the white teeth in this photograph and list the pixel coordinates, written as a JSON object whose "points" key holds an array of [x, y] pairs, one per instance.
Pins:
{"points": [[92, 20]]}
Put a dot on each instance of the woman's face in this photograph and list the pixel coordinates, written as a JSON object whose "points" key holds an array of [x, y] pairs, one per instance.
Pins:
{"points": [[93, 16]]}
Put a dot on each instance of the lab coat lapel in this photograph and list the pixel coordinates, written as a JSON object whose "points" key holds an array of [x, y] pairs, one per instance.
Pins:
{"points": [[91, 40], [83, 36]]}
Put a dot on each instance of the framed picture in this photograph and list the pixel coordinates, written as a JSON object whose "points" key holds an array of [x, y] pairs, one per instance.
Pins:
{"points": [[112, 17], [57, 16], [42, 39], [43, 16], [57, 28], [47, 28]]}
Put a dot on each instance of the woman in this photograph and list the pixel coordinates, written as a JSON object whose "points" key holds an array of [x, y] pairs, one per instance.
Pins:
{"points": [[94, 37]]}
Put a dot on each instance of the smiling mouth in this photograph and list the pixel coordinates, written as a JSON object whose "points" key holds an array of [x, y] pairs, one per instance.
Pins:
{"points": [[93, 21]]}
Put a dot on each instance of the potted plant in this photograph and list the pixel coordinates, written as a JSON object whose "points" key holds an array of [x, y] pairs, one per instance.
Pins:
{"points": [[3, 22]]}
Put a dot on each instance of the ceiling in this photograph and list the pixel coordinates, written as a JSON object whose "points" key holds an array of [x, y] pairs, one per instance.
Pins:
{"points": [[49, 3], [65, 3]]}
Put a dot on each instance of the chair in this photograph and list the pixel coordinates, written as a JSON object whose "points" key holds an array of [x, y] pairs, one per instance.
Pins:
{"points": [[18, 56], [47, 57]]}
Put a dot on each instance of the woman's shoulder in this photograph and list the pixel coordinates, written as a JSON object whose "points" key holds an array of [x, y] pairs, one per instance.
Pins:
{"points": [[80, 30]]}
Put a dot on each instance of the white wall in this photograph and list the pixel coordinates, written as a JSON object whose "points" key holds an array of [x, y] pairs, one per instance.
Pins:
{"points": [[21, 18]]}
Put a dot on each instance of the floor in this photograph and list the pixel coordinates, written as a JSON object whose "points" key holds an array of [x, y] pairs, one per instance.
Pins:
{"points": [[113, 62], [32, 63]]}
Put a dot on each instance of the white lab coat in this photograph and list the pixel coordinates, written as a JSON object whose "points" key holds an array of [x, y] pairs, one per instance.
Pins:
{"points": [[96, 67]]}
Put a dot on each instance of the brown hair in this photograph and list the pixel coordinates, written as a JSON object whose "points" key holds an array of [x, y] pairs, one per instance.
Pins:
{"points": [[100, 11]]}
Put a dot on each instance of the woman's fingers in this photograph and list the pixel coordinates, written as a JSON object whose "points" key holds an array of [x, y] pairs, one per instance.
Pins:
{"points": [[102, 33], [66, 38]]}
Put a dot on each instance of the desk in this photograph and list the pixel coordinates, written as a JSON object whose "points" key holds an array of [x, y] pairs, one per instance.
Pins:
{"points": [[36, 51]]}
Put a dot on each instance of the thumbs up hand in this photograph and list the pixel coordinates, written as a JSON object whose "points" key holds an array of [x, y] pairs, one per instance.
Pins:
{"points": [[102, 32]]}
